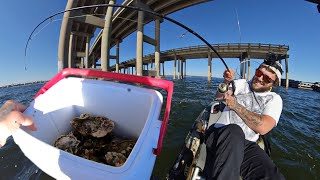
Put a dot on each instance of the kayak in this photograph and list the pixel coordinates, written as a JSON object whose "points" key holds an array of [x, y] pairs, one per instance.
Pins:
{"points": [[190, 162], [132, 102]]}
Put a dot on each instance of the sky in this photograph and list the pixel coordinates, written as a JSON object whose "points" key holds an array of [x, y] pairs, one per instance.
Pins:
{"points": [[295, 23]]}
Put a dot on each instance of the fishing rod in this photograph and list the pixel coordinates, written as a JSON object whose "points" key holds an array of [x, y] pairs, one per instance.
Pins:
{"points": [[133, 8]]}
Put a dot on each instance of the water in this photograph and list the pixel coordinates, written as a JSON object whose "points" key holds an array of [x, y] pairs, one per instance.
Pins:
{"points": [[295, 141]]}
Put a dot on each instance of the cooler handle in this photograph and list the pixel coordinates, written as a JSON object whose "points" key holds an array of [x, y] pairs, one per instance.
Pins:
{"points": [[159, 83]]}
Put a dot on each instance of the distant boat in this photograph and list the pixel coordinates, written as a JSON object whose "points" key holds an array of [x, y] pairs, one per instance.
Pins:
{"points": [[305, 85], [316, 86]]}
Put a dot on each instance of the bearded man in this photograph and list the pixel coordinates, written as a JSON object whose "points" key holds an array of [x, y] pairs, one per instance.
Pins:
{"points": [[251, 110]]}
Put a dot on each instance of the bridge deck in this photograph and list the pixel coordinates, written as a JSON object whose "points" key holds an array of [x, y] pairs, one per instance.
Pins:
{"points": [[230, 50]]}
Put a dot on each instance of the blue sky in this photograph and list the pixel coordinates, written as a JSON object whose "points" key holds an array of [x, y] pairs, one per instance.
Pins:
{"points": [[291, 22]]}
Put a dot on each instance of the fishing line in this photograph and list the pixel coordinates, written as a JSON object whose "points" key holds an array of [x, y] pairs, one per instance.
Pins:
{"points": [[133, 8], [239, 30], [238, 67], [36, 33], [161, 29]]}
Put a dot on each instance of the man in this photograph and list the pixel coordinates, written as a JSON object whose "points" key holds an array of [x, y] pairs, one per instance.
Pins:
{"points": [[11, 118], [252, 109]]}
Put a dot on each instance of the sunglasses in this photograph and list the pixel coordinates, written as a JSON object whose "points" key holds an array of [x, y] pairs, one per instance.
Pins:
{"points": [[266, 78]]}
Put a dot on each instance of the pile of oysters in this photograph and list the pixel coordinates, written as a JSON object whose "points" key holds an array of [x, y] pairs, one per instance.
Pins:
{"points": [[92, 138]]}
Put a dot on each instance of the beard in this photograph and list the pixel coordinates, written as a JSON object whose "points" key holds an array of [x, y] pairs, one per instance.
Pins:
{"points": [[260, 86]]}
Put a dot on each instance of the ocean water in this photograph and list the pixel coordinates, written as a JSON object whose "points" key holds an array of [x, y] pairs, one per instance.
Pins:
{"points": [[295, 142]]}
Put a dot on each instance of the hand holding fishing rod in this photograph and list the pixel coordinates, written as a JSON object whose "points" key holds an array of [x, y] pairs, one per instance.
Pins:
{"points": [[228, 76], [224, 93]]}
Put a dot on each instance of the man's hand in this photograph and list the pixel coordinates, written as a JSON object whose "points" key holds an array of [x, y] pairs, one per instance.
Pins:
{"points": [[11, 118], [231, 101], [228, 76]]}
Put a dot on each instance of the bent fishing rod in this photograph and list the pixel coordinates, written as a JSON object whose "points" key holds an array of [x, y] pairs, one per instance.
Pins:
{"points": [[133, 8]]}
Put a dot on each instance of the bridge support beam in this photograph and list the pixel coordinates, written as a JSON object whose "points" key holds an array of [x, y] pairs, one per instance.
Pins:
{"points": [[181, 68], [106, 39], [139, 52], [287, 72], [174, 65], [163, 69], [185, 68], [248, 68], [117, 56], [209, 67], [157, 47], [245, 68], [93, 62], [71, 57], [87, 51], [242, 68], [64, 39]]}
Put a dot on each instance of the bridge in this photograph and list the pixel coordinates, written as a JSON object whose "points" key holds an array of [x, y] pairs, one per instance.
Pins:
{"points": [[115, 24], [242, 51]]}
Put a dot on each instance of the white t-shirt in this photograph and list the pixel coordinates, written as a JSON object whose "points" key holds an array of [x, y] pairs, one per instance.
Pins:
{"points": [[266, 103]]}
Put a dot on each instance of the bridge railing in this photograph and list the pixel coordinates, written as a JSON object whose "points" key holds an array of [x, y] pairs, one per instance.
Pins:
{"points": [[231, 45]]}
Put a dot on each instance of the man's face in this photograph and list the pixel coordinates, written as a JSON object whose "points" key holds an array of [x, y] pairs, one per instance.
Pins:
{"points": [[263, 80]]}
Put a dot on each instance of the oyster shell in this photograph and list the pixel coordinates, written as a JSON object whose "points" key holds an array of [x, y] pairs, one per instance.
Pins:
{"points": [[115, 159], [123, 146], [92, 138], [67, 143], [94, 126]]}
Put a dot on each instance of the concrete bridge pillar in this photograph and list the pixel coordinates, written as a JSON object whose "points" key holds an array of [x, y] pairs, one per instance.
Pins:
{"points": [[117, 56], [64, 39], [93, 62], [139, 54], [71, 60], [87, 51], [163, 69], [287, 72], [174, 65], [181, 68], [242, 68], [209, 67], [185, 68], [106, 38], [81, 62], [157, 47], [248, 67], [245, 66]]}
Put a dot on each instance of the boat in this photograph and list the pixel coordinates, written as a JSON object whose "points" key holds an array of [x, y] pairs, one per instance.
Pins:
{"points": [[190, 162], [316, 86], [135, 111], [305, 85]]}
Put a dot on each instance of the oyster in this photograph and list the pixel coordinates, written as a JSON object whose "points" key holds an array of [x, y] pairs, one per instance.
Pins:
{"points": [[93, 126], [92, 138], [115, 159], [67, 143], [90, 154], [123, 146]]}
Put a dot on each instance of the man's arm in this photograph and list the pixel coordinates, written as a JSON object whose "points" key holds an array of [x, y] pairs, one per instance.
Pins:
{"points": [[261, 124]]}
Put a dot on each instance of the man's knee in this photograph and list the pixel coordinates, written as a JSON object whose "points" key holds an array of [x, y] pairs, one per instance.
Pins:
{"points": [[233, 131]]}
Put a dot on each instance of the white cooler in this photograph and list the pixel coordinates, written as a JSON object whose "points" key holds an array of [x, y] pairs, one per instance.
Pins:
{"points": [[134, 110]]}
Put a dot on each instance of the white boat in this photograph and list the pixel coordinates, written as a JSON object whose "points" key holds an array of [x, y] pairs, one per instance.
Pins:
{"points": [[134, 110]]}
